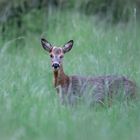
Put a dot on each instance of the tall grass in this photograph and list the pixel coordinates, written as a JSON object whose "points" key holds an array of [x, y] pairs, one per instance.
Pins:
{"points": [[29, 106]]}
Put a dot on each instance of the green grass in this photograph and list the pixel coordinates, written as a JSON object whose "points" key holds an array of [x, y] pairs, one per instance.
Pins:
{"points": [[29, 106]]}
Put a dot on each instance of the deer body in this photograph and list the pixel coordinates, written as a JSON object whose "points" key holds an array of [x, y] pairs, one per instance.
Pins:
{"points": [[93, 89]]}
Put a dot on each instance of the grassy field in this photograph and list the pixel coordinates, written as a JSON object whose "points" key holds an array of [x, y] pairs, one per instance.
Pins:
{"points": [[29, 107]]}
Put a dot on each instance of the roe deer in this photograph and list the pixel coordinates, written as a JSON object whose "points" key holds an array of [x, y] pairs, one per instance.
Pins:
{"points": [[95, 89]]}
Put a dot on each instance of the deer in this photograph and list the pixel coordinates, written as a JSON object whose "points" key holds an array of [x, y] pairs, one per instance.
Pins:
{"points": [[96, 89]]}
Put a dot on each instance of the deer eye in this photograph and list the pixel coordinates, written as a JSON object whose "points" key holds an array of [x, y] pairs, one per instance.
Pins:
{"points": [[51, 55], [61, 56]]}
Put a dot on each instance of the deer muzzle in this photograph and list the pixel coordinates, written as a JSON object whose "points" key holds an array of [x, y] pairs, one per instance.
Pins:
{"points": [[55, 66]]}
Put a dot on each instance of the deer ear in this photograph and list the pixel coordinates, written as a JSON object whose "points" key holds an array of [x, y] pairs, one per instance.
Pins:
{"points": [[68, 46], [46, 45]]}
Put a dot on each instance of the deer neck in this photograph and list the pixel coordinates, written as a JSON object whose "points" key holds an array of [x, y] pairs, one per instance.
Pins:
{"points": [[60, 78]]}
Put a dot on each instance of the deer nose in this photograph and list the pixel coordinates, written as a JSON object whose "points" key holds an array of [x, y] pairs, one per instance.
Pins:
{"points": [[55, 65]]}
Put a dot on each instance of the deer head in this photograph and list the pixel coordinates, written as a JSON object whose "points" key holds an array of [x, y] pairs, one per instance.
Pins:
{"points": [[56, 53]]}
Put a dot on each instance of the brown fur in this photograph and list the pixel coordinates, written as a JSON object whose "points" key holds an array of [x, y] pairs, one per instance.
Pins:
{"points": [[60, 78], [94, 89]]}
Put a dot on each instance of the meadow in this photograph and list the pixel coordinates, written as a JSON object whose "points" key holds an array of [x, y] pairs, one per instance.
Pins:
{"points": [[29, 106]]}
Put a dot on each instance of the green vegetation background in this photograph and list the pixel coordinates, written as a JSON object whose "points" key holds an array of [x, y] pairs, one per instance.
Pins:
{"points": [[29, 106]]}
